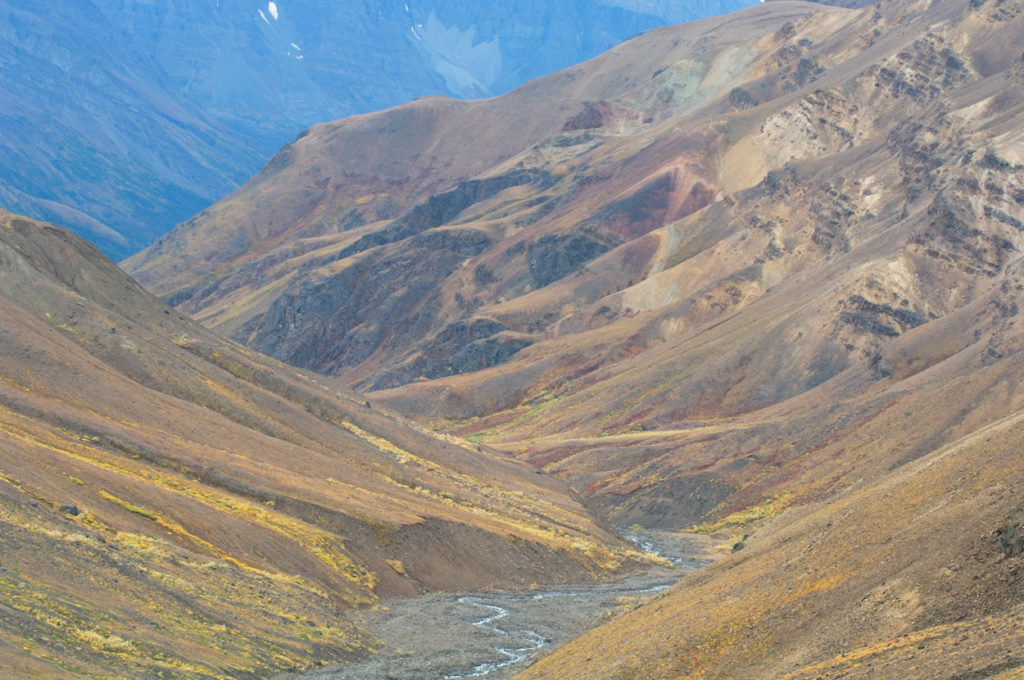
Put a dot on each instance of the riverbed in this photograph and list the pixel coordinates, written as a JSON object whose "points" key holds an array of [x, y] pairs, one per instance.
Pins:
{"points": [[492, 635]]}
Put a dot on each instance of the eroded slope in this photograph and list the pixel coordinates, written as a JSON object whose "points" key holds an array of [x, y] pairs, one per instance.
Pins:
{"points": [[653, 272]]}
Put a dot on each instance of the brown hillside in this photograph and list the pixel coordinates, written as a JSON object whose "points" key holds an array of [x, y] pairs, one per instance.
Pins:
{"points": [[655, 271], [173, 503], [762, 274], [919, 575]]}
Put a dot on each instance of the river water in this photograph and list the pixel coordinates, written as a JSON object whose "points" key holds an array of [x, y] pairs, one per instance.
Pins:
{"points": [[492, 635]]}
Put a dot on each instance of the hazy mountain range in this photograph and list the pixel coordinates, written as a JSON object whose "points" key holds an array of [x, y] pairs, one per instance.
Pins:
{"points": [[120, 118]]}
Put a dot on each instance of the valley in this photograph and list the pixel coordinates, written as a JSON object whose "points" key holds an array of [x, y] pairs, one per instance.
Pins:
{"points": [[755, 279], [687, 277], [492, 635]]}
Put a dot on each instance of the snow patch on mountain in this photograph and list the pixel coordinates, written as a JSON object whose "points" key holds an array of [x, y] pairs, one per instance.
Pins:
{"points": [[469, 68]]}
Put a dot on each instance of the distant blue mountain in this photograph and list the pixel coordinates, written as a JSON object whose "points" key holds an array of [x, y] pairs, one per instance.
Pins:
{"points": [[120, 118]]}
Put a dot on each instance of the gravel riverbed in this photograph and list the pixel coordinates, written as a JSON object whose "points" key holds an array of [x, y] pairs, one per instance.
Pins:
{"points": [[492, 635]]}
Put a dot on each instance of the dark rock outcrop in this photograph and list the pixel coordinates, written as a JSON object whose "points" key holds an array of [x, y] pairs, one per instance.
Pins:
{"points": [[1010, 539], [669, 504], [461, 347], [552, 257], [880, 319], [587, 119]]}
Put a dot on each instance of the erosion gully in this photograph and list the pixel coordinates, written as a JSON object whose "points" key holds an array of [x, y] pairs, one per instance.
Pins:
{"points": [[493, 635]]}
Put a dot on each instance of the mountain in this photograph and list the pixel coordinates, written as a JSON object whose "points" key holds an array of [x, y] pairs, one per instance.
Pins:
{"points": [[753, 214], [92, 136], [758, 274], [172, 503], [121, 118], [392, 175]]}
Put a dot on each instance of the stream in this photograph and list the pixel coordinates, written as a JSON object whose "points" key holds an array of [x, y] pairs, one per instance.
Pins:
{"points": [[533, 639], [492, 635]]}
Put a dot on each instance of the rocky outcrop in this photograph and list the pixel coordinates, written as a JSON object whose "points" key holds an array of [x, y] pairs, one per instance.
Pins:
{"points": [[375, 303], [1010, 539], [672, 503], [445, 207], [587, 119], [462, 347], [879, 319], [553, 257]]}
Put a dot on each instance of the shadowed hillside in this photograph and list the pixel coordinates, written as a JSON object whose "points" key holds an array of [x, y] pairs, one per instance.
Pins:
{"points": [[173, 503]]}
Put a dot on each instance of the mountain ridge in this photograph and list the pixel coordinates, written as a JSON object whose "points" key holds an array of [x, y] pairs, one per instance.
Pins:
{"points": [[123, 118]]}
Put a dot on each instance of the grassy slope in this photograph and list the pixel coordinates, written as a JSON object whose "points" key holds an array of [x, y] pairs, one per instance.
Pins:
{"points": [[230, 509], [903, 577]]}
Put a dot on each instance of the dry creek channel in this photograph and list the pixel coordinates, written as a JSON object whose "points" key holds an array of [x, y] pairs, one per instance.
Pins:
{"points": [[492, 635]]}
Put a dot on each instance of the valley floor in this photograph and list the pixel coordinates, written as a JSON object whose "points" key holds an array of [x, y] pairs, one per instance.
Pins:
{"points": [[494, 634]]}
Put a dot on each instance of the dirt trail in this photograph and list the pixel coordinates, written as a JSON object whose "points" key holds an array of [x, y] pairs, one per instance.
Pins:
{"points": [[492, 635]]}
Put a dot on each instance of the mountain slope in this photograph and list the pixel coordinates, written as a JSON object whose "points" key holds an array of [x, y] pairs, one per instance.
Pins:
{"points": [[174, 503], [760, 275], [916, 575], [122, 118], [666, 264], [92, 137], [545, 159]]}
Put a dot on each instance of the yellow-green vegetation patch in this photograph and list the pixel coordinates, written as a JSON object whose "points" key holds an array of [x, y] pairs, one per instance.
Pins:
{"points": [[767, 508], [514, 512], [322, 544], [128, 506], [144, 608]]}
